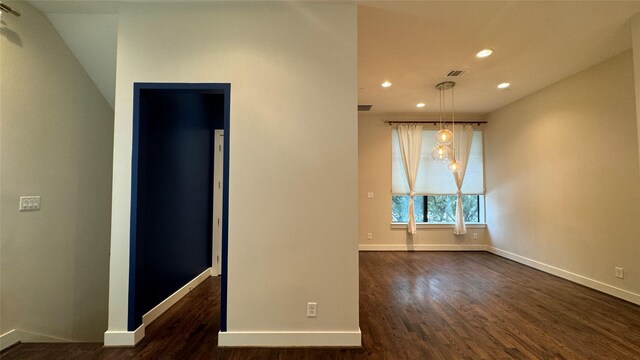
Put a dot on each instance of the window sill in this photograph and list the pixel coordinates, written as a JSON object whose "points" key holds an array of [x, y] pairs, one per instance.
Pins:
{"points": [[436, 226]]}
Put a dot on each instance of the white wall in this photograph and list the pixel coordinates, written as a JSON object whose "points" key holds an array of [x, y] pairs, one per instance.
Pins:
{"points": [[293, 155], [374, 215], [56, 142], [562, 178], [635, 48]]}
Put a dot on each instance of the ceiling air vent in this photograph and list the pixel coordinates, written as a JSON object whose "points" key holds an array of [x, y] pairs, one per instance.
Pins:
{"points": [[456, 73], [364, 107]]}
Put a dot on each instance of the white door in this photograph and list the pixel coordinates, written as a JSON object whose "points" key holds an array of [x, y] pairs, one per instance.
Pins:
{"points": [[218, 186]]}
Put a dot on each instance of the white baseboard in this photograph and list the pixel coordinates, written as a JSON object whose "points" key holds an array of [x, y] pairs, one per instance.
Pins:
{"points": [[422, 247], [175, 297], [582, 280], [130, 338], [17, 336], [290, 338], [9, 338], [123, 338]]}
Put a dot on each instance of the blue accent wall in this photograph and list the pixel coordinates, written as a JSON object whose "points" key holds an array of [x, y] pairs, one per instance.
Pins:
{"points": [[172, 191]]}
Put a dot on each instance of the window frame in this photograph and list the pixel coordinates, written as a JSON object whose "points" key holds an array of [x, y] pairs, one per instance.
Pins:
{"points": [[437, 226], [482, 220]]}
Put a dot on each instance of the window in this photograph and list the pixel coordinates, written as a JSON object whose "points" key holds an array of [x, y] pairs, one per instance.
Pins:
{"points": [[436, 199], [437, 209]]}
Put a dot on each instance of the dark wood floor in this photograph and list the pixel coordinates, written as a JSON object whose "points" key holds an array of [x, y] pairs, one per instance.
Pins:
{"points": [[420, 305]]}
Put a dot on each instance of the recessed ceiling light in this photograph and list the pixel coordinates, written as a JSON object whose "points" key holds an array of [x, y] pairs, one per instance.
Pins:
{"points": [[484, 53], [386, 84], [420, 105], [503, 85]]}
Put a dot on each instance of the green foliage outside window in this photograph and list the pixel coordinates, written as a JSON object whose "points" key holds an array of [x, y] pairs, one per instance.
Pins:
{"points": [[439, 208]]}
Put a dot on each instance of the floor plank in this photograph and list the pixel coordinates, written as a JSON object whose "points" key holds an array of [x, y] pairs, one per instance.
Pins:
{"points": [[414, 305]]}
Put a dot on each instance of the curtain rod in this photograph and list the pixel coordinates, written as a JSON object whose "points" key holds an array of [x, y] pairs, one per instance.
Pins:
{"points": [[434, 122], [8, 9]]}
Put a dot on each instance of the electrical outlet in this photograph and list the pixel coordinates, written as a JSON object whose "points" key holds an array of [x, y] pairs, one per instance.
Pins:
{"points": [[312, 309], [475, 236], [29, 203], [369, 195], [620, 272], [369, 236]]}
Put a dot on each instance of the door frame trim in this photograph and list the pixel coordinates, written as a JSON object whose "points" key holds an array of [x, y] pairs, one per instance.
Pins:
{"points": [[211, 88], [216, 264]]}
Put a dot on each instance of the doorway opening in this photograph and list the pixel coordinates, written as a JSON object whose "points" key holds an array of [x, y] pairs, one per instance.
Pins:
{"points": [[174, 163]]}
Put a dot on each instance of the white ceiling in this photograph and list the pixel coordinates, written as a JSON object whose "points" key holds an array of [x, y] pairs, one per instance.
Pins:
{"points": [[90, 29], [93, 39], [413, 44]]}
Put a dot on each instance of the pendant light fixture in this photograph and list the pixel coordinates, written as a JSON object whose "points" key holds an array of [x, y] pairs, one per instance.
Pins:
{"points": [[442, 151], [444, 136], [454, 165]]}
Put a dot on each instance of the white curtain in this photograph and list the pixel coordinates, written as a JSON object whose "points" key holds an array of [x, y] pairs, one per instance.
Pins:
{"points": [[438, 181], [410, 139], [463, 136]]}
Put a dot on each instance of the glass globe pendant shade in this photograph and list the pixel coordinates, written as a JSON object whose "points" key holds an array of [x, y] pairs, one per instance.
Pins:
{"points": [[444, 137], [454, 166], [440, 153]]}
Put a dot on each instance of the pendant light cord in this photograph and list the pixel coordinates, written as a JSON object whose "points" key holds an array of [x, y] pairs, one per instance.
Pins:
{"points": [[441, 107], [453, 126]]}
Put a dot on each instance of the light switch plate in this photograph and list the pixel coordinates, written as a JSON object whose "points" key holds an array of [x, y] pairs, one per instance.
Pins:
{"points": [[312, 309], [29, 203]]}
